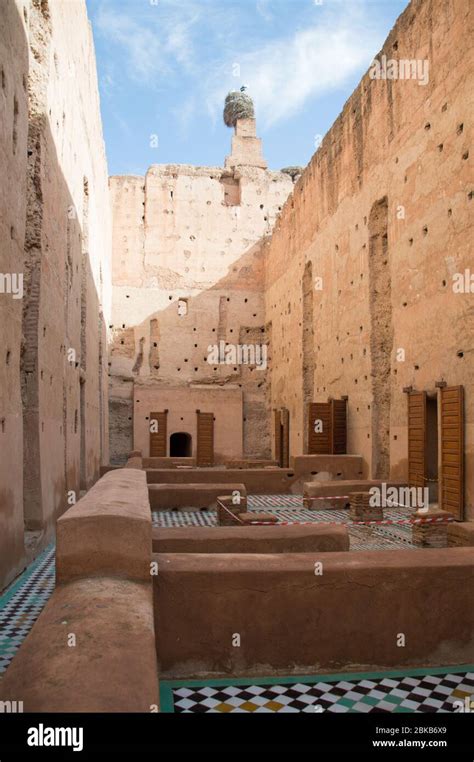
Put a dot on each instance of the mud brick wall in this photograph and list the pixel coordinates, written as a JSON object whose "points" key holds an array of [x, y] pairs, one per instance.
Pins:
{"points": [[56, 224], [382, 215], [188, 273]]}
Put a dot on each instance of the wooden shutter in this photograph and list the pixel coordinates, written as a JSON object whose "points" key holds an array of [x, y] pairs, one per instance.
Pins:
{"points": [[416, 439], [205, 439], [278, 442], [159, 439], [338, 427], [285, 444], [319, 443], [452, 450]]}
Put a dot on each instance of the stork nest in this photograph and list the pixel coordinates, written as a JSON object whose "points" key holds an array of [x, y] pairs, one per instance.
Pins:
{"points": [[237, 105]]}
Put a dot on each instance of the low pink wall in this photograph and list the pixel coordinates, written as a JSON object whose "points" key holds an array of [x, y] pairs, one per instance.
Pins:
{"points": [[165, 496], [257, 481], [108, 532], [291, 620], [104, 599], [251, 539], [112, 667]]}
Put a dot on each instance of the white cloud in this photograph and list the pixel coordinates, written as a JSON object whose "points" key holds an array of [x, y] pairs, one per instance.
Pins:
{"points": [[190, 45], [284, 74], [263, 9]]}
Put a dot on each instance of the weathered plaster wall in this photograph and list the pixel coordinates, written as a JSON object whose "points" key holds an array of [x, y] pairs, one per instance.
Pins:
{"points": [[13, 139], [182, 402], [191, 234], [408, 143], [64, 237]]}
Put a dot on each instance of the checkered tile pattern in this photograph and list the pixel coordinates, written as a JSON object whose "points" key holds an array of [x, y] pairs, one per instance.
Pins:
{"points": [[22, 603], [428, 693], [290, 508], [184, 518]]}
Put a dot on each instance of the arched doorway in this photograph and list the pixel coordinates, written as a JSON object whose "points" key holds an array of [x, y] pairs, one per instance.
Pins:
{"points": [[181, 445]]}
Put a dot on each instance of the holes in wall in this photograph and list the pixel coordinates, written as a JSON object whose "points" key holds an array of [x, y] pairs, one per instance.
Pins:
{"points": [[425, 230], [15, 123], [460, 353], [465, 155], [231, 190], [182, 307], [440, 147], [460, 128]]}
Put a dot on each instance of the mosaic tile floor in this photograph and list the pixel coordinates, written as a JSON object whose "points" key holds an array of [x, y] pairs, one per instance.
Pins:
{"points": [[290, 508], [22, 603], [420, 690]]}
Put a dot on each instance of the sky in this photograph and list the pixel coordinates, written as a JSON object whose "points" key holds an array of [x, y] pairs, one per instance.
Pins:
{"points": [[165, 67]]}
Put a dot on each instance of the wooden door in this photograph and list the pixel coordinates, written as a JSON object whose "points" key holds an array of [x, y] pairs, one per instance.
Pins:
{"points": [[319, 428], [416, 439], [205, 439], [158, 434], [338, 427], [452, 450]]}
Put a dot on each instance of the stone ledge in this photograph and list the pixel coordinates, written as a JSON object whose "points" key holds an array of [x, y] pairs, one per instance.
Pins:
{"points": [[291, 620], [192, 495], [112, 667], [461, 534], [251, 539], [108, 532]]}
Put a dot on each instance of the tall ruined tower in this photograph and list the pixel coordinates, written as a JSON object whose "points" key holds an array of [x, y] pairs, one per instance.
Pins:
{"points": [[187, 278]]}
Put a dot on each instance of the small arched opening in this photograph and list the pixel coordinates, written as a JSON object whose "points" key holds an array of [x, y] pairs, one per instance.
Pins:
{"points": [[181, 445]]}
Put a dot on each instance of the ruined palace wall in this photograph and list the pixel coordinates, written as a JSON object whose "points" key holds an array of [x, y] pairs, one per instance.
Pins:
{"points": [[382, 212], [64, 231], [193, 234], [13, 139], [75, 253]]}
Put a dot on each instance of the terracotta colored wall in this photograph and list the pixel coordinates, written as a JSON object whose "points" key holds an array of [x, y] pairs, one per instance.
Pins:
{"points": [[251, 539], [174, 236], [182, 403], [59, 214], [13, 147], [291, 620], [406, 143], [104, 583]]}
